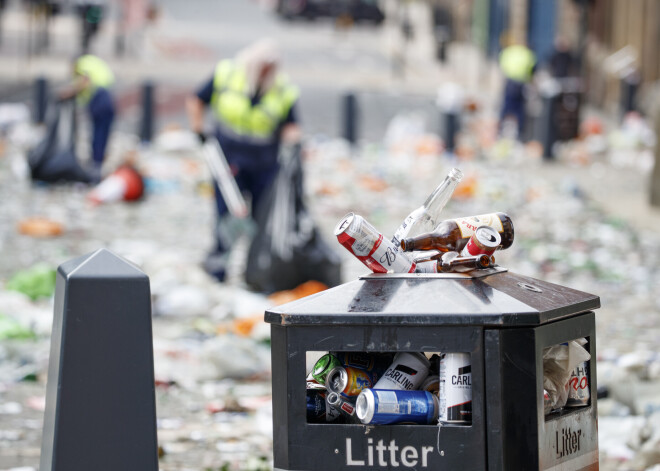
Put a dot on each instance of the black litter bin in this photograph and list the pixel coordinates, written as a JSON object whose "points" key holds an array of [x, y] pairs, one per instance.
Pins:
{"points": [[503, 320]]}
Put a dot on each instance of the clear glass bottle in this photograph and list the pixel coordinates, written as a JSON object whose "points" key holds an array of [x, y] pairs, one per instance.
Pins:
{"points": [[426, 217]]}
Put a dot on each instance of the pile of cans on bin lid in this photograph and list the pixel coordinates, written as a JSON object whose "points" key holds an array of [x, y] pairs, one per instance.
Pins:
{"points": [[388, 388], [425, 244]]}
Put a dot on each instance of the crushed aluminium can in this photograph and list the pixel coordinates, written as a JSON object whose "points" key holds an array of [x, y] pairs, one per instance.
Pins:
{"points": [[342, 407], [455, 388], [348, 381], [407, 371], [578, 386], [484, 240], [323, 366], [370, 247], [383, 406]]}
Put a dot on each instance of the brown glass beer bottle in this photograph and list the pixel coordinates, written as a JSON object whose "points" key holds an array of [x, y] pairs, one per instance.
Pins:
{"points": [[453, 234]]}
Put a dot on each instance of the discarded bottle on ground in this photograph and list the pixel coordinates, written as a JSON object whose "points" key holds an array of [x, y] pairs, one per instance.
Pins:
{"points": [[453, 234], [426, 217]]}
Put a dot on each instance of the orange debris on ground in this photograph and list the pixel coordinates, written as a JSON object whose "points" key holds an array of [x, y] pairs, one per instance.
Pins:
{"points": [[40, 227]]}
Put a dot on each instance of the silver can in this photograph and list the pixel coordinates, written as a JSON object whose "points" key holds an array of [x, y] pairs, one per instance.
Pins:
{"points": [[370, 247], [578, 386], [383, 406], [455, 388]]}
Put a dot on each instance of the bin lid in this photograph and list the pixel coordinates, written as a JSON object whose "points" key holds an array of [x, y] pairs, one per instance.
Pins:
{"points": [[499, 299]]}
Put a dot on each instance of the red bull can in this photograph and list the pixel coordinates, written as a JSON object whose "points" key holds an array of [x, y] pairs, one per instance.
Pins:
{"points": [[370, 247], [348, 381], [578, 386], [382, 406], [455, 388], [484, 240]]}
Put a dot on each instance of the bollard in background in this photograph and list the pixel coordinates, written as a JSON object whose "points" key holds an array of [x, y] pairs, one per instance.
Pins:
{"points": [[350, 118], [548, 129], [450, 101], [148, 112], [100, 401], [451, 129], [40, 100], [629, 87]]}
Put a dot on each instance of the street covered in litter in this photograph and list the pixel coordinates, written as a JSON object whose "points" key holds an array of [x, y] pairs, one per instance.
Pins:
{"points": [[582, 220]]}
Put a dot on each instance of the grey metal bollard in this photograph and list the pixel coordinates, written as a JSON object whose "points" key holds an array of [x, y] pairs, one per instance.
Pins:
{"points": [[350, 117], [100, 401], [148, 112], [451, 127], [40, 100]]}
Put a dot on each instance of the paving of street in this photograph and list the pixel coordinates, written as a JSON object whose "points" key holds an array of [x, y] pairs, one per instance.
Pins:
{"points": [[581, 221]]}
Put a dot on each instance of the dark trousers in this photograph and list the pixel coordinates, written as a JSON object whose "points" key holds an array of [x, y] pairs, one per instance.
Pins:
{"points": [[514, 104], [254, 170], [102, 113]]}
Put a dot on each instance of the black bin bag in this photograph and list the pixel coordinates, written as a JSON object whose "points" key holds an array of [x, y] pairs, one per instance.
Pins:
{"points": [[54, 159], [287, 249]]}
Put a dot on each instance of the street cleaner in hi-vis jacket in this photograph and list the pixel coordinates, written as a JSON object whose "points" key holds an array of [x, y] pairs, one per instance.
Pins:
{"points": [[254, 106]]}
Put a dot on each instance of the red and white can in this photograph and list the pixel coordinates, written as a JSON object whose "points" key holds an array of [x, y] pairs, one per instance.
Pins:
{"points": [[370, 247], [578, 386], [485, 240]]}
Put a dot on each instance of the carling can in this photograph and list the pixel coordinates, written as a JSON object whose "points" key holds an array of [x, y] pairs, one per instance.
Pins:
{"points": [[348, 381], [387, 406], [578, 386], [323, 366], [455, 388], [484, 240], [407, 371], [370, 247]]}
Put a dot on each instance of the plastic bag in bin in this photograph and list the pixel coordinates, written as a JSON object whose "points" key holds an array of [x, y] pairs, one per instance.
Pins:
{"points": [[559, 361]]}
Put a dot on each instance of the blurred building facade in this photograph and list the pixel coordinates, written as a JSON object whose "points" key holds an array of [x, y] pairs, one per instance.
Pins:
{"points": [[615, 41]]}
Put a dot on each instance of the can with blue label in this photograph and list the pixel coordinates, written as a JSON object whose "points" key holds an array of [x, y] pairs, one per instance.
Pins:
{"points": [[396, 406], [316, 406]]}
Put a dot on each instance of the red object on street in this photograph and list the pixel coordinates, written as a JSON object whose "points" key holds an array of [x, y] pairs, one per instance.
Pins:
{"points": [[125, 183]]}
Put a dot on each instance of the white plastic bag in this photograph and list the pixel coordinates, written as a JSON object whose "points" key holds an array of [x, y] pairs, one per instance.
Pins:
{"points": [[558, 363]]}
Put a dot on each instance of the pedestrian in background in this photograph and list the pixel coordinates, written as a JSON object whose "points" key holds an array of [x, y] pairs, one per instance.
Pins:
{"points": [[517, 63], [92, 81], [255, 111], [562, 61]]}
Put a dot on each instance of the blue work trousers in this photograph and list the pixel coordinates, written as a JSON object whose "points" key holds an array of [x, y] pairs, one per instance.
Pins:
{"points": [[514, 104], [254, 168], [101, 110]]}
